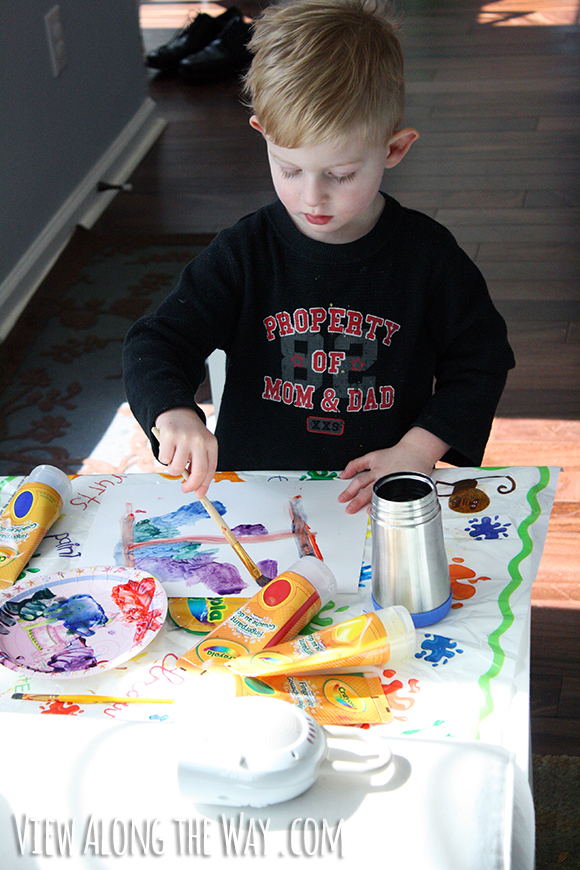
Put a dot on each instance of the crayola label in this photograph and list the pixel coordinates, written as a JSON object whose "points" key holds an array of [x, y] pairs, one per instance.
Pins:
{"points": [[355, 643], [331, 699], [202, 615], [279, 610], [218, 648], [23, 523], [342, 695]]}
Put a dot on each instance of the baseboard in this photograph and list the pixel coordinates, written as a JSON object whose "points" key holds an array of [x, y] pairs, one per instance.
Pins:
{"points": [[82, 207]]}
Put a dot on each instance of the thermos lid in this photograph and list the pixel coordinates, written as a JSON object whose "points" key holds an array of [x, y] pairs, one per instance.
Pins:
{"points": [[51, 476]]}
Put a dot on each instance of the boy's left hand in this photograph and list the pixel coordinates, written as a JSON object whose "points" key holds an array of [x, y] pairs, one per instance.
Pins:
{"points": [[418, 450]]}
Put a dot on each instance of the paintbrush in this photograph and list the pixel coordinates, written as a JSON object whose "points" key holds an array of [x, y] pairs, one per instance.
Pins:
{"points": [[260, 578], [89, 699]]}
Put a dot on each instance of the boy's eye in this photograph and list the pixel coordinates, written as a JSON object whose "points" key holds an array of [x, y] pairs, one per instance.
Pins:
{"points": [[342, 179]]}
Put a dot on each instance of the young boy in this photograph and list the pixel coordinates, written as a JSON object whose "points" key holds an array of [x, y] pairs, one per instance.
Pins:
{"points": [[359, 336]]}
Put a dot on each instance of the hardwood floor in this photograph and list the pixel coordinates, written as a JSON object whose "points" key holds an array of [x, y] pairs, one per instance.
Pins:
{"points": [[494, 90]]}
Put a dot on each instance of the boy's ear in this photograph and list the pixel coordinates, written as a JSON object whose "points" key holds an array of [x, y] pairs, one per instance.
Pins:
{"points": [[255, 124], [399, 144]]}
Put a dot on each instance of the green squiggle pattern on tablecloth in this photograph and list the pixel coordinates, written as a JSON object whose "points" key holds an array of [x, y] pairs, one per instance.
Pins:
{"points": [[504, 598]]}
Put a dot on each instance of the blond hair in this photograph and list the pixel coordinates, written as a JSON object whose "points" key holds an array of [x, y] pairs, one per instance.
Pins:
{"points": [[322, 68]]}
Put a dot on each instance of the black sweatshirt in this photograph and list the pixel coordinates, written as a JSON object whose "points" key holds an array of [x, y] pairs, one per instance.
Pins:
{"points": [[333, 350]]}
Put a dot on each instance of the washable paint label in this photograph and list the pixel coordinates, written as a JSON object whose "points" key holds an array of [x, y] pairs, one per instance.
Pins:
{"points": [[15, 534], [308, 645], [303, 694], [251, 626]]}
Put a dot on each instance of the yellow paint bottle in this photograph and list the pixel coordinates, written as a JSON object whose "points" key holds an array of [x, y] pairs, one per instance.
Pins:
{"points": [[277, 612], [331, 699], [370, 639], [30, 513]]}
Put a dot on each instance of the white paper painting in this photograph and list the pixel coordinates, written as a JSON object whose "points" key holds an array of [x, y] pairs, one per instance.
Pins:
{"points": [[156, 528]]}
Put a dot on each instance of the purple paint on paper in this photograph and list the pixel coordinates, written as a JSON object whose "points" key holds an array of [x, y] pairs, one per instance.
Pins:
{"points": [[247, 529], [166, 570], [269, 568], [184, 560], [221, 578]]}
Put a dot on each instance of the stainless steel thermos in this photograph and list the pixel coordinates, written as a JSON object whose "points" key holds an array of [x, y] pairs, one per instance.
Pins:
{"points": [[409, 563]]}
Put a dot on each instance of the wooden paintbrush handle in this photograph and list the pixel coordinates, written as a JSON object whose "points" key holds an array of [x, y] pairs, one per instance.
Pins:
{"points": [[218, 519], [225, 529], [230, 537]]}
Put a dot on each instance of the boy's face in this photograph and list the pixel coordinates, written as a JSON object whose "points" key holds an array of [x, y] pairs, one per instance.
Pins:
{"points": [[331, 190]]}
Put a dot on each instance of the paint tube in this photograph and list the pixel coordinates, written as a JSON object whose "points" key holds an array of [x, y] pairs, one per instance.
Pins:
{"points": [[275, 613], [370, 639], [331, 699], [30, 513], [202, 615]]}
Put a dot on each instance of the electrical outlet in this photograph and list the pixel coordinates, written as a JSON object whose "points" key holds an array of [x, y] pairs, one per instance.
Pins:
{"points": [[55, 36]]}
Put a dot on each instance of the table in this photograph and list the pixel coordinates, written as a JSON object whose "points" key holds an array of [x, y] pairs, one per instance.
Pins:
{"points": [[460, 735]]}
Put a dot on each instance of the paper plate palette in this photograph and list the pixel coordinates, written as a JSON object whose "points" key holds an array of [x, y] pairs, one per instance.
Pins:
{"points": [[79, 622]]}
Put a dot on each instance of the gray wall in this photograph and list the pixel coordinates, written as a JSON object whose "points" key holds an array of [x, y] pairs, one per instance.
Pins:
{"points": [[52, 130]]}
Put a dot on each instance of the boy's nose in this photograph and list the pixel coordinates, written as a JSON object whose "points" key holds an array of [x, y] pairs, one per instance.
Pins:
{"points": [[313, 193]]}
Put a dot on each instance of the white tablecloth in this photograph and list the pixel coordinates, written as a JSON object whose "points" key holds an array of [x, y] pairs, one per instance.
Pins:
{"points": [[460, 733]]}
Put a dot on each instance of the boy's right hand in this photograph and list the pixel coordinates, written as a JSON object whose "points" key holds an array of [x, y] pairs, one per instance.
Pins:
{"points": [[187, 447]]}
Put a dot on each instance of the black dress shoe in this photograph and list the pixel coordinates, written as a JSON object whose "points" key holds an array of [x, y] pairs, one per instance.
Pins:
{"points": [[200, 31], [225, 56]]}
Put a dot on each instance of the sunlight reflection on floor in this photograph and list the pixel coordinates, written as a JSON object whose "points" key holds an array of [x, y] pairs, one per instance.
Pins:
{"points": [[517, 13]]}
